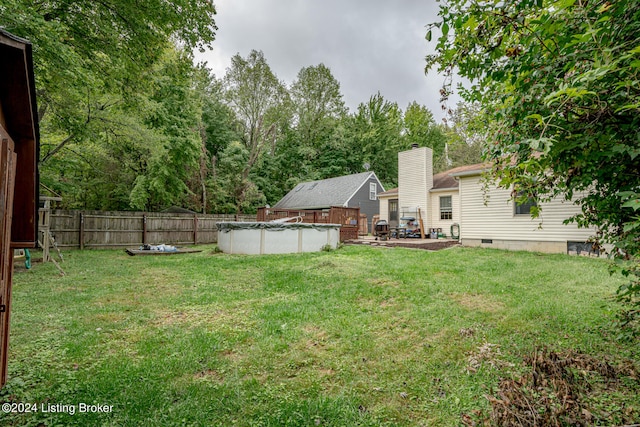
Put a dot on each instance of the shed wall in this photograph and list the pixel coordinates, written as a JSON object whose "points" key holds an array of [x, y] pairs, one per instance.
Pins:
{"points": [[361, 200]]}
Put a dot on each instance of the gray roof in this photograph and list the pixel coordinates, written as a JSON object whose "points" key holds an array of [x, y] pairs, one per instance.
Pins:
{"points": [[324, 193]]}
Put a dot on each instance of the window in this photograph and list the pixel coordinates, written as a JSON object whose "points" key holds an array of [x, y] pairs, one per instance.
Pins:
{"points": [[446, 209], [524, 207], [373, 191]]}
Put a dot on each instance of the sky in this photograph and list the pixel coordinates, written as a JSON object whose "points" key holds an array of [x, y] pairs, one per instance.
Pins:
{"points": [[370, 46]]}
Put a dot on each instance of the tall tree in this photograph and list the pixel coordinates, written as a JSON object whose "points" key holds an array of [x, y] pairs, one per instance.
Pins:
{"points": [[309, 148], [261, 104], [317, 103], [173, 109], [375, 136]]}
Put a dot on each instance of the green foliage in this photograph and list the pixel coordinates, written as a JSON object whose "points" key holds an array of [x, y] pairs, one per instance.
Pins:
{"points": [[466, 135], [234, 192], [560, 87], [315, 142], [374, 135], [173, 110], [108, 89], [261, 104], [420, 128]]}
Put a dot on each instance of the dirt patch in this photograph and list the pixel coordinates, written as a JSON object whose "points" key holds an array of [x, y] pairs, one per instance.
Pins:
{"points": [[478, 302], [218, 318], [210, 375], [383, 282], [561, 389], [315, 338], [486, 354]]}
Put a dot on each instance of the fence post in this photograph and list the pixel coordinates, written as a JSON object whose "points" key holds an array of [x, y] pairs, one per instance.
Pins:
{"points": [[195, 229], [81, 234], [144, 229]]}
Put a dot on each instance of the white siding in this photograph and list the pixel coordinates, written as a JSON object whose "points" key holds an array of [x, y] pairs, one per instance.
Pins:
{"points": [[496, 219], [415, 179], [384, 207], [434, 217]]}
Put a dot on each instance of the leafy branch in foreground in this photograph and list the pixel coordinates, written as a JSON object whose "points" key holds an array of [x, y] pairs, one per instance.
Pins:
{"points": [[560, 85]]}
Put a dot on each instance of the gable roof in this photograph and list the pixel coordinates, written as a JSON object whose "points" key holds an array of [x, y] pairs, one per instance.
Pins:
{"points": [[325, 193]]}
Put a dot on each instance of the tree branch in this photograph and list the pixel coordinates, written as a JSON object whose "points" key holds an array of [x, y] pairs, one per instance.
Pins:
{"points": [[57, 148]]}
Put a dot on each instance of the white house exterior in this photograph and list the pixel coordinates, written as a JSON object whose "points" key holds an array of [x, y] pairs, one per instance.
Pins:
{"points": [[421, 194], [415, 179], [483, 218], [490, 219]]}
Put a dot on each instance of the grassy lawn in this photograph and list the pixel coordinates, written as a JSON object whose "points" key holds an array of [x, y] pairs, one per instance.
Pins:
{"points": [[357, 336]]}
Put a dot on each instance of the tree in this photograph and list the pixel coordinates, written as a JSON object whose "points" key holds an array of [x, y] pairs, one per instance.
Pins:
{"points": [[466, 135], [261, 104], [313, 137], [317, 103], [374, 136], [559, 82], [84, 49], [236, 192], [420, 128], [173, 110]]}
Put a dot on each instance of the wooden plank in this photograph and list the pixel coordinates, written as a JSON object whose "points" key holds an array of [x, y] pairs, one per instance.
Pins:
{"points": [[81, 232], [7, 175], [133, 252], [421, 224]]}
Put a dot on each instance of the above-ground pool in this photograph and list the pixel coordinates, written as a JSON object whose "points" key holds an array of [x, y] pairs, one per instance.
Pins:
{"points": [[254, 238]]}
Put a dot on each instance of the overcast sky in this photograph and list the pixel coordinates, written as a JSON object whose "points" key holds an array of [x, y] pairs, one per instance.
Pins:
{"points": [[369, 45]]}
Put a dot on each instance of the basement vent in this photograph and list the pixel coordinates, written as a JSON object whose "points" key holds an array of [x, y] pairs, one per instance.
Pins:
{"points": [[488, 241], [578, 248]]}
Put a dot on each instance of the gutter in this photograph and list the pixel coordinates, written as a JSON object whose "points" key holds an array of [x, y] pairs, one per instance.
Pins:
{"points": [[469, 173], [439, 190]]}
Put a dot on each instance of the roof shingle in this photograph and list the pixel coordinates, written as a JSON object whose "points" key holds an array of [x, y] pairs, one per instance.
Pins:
{"points": [[324, 193]]}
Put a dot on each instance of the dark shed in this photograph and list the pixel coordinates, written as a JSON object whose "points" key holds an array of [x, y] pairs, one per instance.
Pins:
{"points": [[19, 146]]}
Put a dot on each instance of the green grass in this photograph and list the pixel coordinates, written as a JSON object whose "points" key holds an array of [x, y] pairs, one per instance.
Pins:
{"points": [[358, 336]]}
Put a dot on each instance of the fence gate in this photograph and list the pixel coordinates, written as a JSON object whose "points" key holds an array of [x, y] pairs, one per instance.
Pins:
{"points": [[7, 183]]}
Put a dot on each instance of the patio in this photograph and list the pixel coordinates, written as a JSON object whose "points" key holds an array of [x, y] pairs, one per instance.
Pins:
{"points": [[428, 244]]}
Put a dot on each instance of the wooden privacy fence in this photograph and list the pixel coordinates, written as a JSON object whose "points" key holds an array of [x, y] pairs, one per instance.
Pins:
{"points": [[348, 218], [97, 229]]}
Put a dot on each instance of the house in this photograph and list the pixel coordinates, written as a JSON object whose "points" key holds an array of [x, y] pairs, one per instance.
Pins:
{"points": [[351, 191], [456, 202], [19, 144], [489, 217], [421, 194]]}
